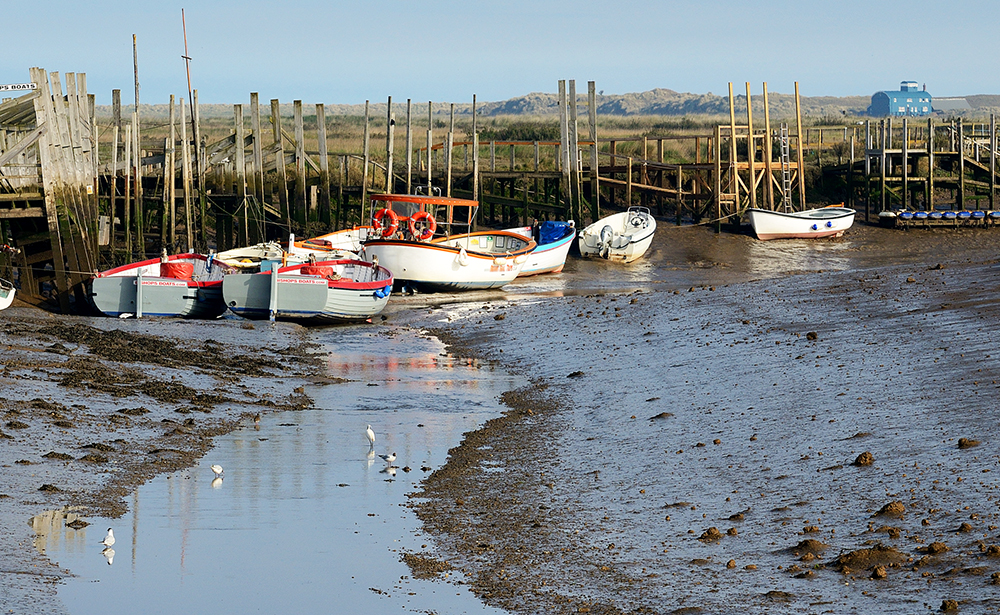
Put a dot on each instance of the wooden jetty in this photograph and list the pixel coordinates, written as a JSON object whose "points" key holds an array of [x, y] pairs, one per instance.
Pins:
{"points": [[76, 196]]}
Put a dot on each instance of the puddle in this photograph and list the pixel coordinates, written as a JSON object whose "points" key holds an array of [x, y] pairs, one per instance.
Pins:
{"points": [[305, 519]]}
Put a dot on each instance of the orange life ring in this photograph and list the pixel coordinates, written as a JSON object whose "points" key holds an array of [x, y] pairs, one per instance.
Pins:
{"points": [[387, 231], [428, 231]]}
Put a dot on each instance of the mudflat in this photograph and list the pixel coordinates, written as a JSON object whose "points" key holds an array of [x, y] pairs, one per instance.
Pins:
{"points": [[812, 440], [726, 426]]}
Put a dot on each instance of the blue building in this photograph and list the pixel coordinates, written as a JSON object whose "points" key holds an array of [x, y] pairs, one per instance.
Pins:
{"points": [[908, 101]]}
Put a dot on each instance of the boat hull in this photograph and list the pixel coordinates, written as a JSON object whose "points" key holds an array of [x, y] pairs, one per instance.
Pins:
{"points": [[139, 289], [630, 235], [809, 224], [7, 292], [116, 296], [456, 263], [547, 257], [310, 299]]}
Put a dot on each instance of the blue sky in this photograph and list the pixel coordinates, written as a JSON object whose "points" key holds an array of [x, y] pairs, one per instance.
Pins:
{"points": [[445, 50]]}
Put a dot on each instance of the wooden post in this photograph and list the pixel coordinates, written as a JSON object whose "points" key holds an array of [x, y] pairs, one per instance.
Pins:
{"points": [[170, 182], [475, 166], [882, 194], [449, 152], [390, 144], [42, 104], [929, 197], [717, 159], [768, 145], [279, 162], [595, 188], [127, 162], [993, 161], [366, 144], [245, 214], [564, 148], [202, 168], [186, 181], [258, 153], [849, 200], [324, 166], [961, 166], [574, 155], [906, 163], [409, 147], [628, 183], [734, 179], [798, 148], [751, 151], [339, 215], [430, 145], [301, 207]]}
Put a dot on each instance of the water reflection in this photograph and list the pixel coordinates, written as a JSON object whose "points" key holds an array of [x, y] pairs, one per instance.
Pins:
{"points": [[299, 516]]}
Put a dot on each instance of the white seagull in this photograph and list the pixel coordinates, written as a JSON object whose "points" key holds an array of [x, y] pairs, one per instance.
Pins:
{"points": [[371, 436], [388, 458], [218, 470], [109, 539]]}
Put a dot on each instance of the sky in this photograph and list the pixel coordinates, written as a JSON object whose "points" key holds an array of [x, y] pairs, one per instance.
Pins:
{"points": [[337, 52]]}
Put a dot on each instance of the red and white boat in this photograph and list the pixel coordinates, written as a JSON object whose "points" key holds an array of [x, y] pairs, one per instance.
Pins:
{"points": [[323, 292], [182, 285], [408, 246], [829, 221]]}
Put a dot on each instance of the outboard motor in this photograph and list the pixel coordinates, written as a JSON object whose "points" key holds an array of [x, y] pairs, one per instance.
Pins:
{"points": [[607, 236]]}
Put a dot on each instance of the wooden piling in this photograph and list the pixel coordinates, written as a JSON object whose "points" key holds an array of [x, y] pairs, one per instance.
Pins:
{"points": [[186, 181], [301, 207], [390, 145], [324, 166], [768, 154], [277, 141], [258, 150], [751, 151], [798, 149], [409, 148], [244, 213], [595, 194]]}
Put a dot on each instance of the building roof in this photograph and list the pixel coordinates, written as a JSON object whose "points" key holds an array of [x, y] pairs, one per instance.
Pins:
{"points": [[951, 104]]}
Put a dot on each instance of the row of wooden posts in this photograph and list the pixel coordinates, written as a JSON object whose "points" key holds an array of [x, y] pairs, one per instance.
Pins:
{"points": [[252, 188]]}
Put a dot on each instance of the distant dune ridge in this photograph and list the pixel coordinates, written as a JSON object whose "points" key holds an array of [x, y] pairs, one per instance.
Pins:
{"points": [[660, 101]]}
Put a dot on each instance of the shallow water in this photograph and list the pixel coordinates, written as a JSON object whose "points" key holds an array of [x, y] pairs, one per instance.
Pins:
{"points": [[304, 520]]}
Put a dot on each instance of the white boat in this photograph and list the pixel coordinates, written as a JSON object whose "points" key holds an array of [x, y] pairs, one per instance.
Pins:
{"points": [[7, 292], [624, 236], [322, 292], [829, 221], [349, 240], [182, 285], [554, 241], [264, 256], [453, 262]]}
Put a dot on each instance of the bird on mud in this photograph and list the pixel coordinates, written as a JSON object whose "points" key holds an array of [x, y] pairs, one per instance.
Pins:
{"points": [[388, 458], [371, 437], [109, 539], [218, 470]]}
